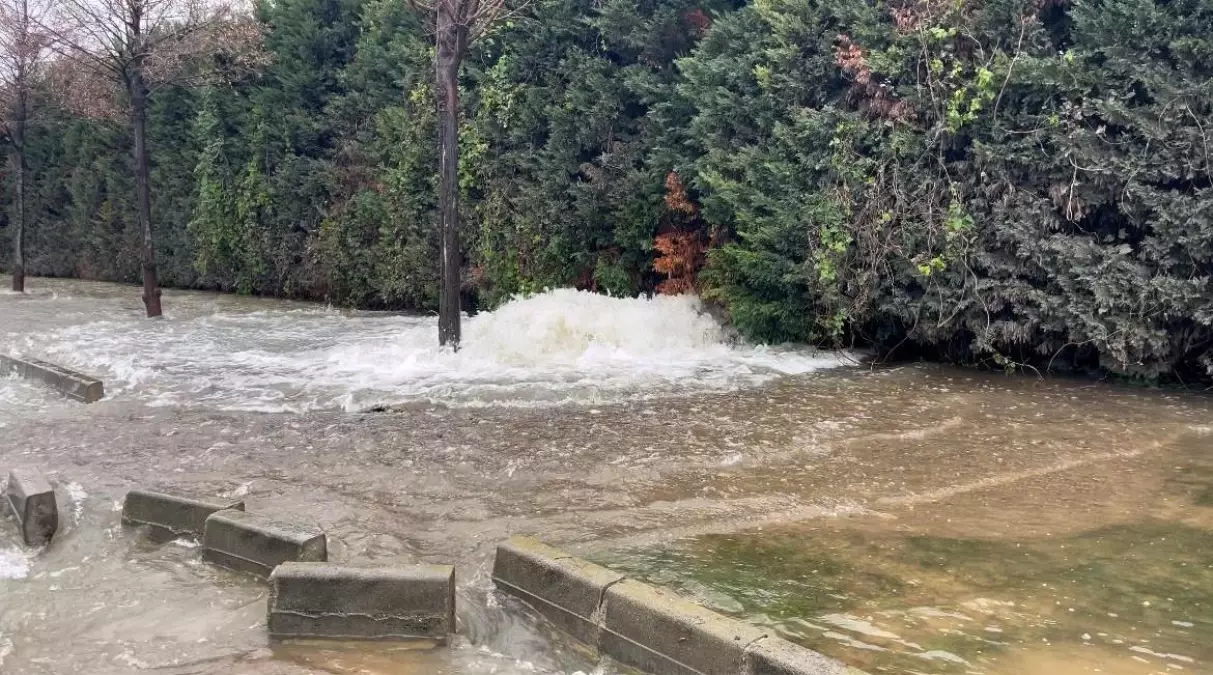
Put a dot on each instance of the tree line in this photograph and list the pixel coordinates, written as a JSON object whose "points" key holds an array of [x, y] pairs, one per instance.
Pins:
{"points": [[1019, 183]]}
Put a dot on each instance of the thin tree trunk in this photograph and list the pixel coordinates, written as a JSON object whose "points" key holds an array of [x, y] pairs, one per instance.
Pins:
{"points": [[19, 225], [151, 286], [19, 128], [449, 43], [18, 140]]}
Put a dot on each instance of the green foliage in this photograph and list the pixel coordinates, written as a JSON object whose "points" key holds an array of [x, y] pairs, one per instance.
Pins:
{"points": [[214, 218], [1008, 181], [1013, 183], [572, 106]]}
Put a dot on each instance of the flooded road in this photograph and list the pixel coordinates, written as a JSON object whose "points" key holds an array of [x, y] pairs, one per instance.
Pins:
{"points": [[857, 511], [1106, 567]]}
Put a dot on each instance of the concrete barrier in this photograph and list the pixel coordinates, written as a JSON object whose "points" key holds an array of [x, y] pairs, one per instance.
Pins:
{"points": [[567, 591], [67, 382], [319, 600], [656, 631], [247, 542], [776, 656], [644, 627], [32, 500], [174, 514]]}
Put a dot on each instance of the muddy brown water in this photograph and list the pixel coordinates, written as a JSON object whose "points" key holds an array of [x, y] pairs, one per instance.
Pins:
{"points": [[906, 520]]}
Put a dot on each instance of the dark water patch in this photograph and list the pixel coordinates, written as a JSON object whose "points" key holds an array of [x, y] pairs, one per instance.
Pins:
{"points": [[1141, 595]]}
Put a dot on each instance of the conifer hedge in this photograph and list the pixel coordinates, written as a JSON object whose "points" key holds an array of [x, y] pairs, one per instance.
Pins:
{"points": [[1020, 183]]}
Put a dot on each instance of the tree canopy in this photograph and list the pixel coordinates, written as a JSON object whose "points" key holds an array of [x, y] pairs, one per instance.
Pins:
{"points": [[1018, 183]]}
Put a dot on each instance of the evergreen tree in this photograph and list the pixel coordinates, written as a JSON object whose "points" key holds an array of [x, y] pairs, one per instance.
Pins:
{"points": [[1013, 183]]}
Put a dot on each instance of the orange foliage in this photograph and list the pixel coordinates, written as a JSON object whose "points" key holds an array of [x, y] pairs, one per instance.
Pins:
{"points": [[682, 255], [877, 100], [853, 60], [681, 250], [676, 195], [699, 19]]}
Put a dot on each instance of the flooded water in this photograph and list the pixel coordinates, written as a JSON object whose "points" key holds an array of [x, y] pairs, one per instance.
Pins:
{"points": [[1025, 578], [906, 520], [231, 353]]}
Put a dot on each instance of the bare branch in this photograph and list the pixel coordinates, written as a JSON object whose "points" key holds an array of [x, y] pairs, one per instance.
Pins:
{"points": [[150, 44], [474, 17], [25, 49], [86, 88]]}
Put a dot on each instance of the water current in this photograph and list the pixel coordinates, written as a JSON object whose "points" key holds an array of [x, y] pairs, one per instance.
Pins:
{"points": [[561, 347], [914, 519]]}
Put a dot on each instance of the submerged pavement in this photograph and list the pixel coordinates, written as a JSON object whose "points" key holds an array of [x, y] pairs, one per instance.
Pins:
{"points": [[427, 482]]}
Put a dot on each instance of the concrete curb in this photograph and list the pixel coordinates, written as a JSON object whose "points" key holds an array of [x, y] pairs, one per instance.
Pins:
{"points": [[657, 631], [776, 656], [567, 591], [319, 600], [32, 500], [641, 626], [247, 542], [67, 382], [174, 514]]}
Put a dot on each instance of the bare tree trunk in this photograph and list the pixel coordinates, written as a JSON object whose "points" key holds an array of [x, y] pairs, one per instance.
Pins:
{"points": [[18, 139], [449, 43], [19, 225], [151, 286]]}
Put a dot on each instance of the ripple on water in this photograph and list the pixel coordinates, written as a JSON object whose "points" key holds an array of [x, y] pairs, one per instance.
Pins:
{"points": [[20, 397], [1128, 599]]}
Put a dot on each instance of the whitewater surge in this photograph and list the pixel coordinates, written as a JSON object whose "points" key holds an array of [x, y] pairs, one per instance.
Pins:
{"points": [[19, 397], [559, 347], [14, 564]]}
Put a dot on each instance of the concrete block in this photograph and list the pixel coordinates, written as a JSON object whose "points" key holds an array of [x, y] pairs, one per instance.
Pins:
{"points": [[319, 600], [174, 514], [32, 500], [567, 591], [247, 542], [657, 631], [775, 656], [74, 385]]}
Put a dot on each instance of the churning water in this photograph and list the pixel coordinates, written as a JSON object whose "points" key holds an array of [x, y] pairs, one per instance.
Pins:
{"points": [[555, 348], [906, 520]]}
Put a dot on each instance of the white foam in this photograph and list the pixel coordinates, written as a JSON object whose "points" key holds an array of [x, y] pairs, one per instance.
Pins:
{"points": [[76, 493], [14, 564], [17, 393], [558, 347], [940, 655], [852, 642], [936, 613], [1176, 657], [857, 625]]}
